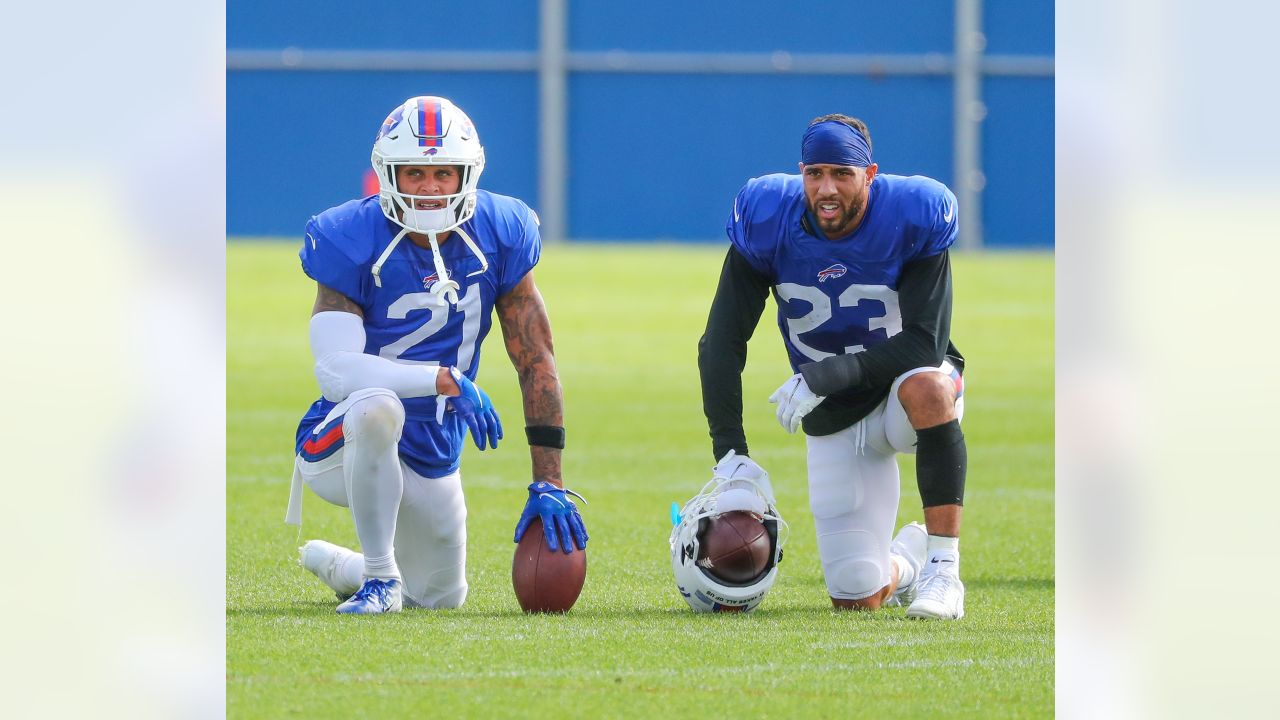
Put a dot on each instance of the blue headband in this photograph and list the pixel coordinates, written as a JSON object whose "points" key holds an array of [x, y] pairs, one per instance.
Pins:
{"points": [[833, 143]]}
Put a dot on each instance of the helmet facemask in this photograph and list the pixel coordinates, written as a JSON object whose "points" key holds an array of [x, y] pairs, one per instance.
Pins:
{"points": [[399, 207]]}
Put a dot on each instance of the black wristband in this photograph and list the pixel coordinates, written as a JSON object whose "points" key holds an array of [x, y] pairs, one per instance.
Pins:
{"points": [[551, 436]]}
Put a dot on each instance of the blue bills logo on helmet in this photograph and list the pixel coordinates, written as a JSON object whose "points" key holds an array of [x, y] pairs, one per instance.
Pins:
{"points": [[389, 124], [835, 271]]}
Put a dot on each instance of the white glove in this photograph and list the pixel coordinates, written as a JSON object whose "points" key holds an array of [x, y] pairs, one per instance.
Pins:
{"points": [[795, 400], [743, 484]]}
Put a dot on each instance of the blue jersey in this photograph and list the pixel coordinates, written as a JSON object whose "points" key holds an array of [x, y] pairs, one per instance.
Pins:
{"points": [[839, 296], [404, 322]]}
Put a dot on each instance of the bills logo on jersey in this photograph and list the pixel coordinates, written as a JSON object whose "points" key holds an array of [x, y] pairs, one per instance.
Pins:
{"points": [[832, 272], [430, 280]]}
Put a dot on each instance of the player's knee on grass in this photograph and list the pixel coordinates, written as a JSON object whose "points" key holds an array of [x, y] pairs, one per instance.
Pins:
{"points": [[854, 578], [444, 589], [929, 398], [377, 419], [447, 600], [868, 603]]}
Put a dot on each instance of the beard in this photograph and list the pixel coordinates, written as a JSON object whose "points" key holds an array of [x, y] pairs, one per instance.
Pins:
{"points": [[841, 224]]}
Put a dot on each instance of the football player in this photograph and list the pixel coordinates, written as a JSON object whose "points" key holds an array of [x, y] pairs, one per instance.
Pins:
{"points": [[406, 284], [858, 264]]}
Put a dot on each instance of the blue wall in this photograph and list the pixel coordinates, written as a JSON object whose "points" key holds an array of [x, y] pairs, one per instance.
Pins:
{"points": [[650, 156]]}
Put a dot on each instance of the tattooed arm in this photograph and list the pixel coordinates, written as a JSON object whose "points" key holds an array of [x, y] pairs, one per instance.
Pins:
{"points": [[328, 299], [526, 329]]}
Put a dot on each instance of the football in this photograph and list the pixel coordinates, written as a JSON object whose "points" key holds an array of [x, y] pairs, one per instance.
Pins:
{"points": [[735, 547], [546, 581]]}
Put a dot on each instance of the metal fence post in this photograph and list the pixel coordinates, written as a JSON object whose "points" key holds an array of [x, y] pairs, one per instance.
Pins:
{"points": [[552, 120], [968, 113]]}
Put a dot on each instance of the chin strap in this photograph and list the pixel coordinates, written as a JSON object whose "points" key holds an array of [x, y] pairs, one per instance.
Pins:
{"points": [[471, 245], [444, 288], [377, 266]]}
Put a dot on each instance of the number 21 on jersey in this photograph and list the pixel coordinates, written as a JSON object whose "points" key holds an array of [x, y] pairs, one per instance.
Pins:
{"points": [[469, 305]]}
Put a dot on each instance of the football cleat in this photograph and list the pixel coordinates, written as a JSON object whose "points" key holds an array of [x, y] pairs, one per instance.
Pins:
{"points": [[912, 544], [939, 596], [323, 559], [374, 598]]}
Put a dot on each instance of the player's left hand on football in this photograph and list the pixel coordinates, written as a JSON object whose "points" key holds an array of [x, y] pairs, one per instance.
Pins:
{"points": [[562, 525], [475, 408], [794, 400]]}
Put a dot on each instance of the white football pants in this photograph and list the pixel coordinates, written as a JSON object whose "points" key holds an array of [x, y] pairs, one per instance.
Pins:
{"points": [[854, 491], [422, 521]]}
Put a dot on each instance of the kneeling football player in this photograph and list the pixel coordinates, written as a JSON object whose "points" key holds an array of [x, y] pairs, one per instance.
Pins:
{"points": [[407, 282], [858, 263]]}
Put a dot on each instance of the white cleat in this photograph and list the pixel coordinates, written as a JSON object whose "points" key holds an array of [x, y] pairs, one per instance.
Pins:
{"points": [[323, 559], [374, 598], [912, 544], [939, 596]]}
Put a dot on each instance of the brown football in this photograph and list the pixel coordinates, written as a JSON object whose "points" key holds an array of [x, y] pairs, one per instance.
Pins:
{"points": [[735, 547], [546, 581]]}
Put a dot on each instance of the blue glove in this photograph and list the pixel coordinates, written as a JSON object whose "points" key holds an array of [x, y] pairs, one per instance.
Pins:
{"points": [[560, 518], [476, 410]]}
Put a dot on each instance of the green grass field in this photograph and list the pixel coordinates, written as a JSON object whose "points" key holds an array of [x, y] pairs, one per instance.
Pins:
{"points": [[626, 321]]}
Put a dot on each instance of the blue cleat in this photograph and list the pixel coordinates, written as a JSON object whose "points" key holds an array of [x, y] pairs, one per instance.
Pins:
{"points": [[374, 598]]}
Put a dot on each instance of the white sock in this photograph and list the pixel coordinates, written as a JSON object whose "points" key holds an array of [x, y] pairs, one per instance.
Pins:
{"points": [[944, 553], [375, 485], [383, 568], [906, 573], [349, 572]]}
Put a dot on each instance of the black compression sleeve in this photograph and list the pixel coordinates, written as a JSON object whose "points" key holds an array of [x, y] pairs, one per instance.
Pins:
{"points": [[924, 297], [722, 351]]}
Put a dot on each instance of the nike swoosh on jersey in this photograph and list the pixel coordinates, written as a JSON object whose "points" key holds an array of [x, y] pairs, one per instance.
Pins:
{"points": [[736, 216], [950, 213], [313, 241]]}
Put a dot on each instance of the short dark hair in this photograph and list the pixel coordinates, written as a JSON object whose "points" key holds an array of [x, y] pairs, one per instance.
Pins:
{"points": [[852, 122]]}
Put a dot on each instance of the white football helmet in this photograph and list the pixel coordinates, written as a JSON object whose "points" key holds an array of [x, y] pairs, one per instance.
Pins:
{"points": [[428, 130], [703, 591]]}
